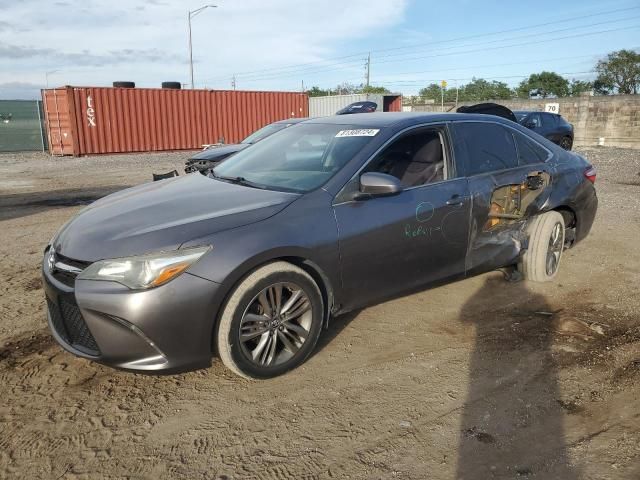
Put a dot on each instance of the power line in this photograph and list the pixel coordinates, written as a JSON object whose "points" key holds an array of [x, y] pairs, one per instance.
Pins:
{"points": [[547, 40], [435, 55], [467, 37], [528, 35], [501, 77], [586, 34], [527, 62]]}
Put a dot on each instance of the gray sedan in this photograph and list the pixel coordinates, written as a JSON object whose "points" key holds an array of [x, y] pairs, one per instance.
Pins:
{"points": [[250, 261]]}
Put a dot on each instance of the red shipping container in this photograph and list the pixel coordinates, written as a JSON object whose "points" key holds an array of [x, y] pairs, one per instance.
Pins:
{"points": [[93, 120]]}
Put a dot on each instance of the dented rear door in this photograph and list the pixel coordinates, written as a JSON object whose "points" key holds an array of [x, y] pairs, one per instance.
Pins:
{"points": [[509, 182]]}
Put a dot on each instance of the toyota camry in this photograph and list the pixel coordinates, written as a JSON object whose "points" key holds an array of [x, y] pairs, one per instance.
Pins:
{"points": [[250, 261]]}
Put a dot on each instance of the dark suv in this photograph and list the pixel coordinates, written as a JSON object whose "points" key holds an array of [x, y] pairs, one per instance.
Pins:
{"points": [[549, 125]]}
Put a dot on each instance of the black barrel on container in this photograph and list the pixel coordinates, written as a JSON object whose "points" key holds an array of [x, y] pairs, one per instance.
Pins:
{"points": [[124, 84], [173, 85]]}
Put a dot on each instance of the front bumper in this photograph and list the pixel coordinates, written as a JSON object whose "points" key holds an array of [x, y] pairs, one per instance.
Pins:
{"points": [[168, 328]]}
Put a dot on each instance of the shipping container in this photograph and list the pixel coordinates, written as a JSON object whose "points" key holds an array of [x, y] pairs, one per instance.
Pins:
{"points": [[93, 120], [329, 105]]}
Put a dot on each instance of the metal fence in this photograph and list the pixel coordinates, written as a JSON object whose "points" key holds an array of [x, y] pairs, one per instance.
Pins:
{"points": [[21, 126]]}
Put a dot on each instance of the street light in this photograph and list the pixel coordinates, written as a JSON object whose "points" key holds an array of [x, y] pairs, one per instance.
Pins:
{"points": [[193, 13], [46, 76]]}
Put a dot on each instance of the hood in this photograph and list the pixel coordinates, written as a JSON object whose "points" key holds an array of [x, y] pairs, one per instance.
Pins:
{"points": [[163, 215], [219, 152]]}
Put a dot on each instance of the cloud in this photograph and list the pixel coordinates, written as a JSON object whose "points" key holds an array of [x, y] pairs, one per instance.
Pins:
{"points": [[85, 57], [90, 43]]}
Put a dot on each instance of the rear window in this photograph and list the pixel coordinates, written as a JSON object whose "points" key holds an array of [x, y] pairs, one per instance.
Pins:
{"points": [[490, 147], [529, 151]]}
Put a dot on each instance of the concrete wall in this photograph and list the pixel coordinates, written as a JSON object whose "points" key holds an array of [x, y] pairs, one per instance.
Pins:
{"points": [[616, 118]]}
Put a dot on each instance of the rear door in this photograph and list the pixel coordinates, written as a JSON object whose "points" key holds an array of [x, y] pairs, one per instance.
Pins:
{"points": [[508, 183], [550, 127], [391, 244]]}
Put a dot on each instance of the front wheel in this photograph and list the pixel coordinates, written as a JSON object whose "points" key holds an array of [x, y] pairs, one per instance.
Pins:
{"points": [[271, 322], [541, 261]]}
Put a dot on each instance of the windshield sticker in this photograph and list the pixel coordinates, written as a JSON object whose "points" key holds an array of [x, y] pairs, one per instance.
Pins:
{"points": [[362, 132]]}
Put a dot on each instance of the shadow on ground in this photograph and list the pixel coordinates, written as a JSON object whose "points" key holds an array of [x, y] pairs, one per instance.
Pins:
{"points": [[22, 204], [512, 419]]}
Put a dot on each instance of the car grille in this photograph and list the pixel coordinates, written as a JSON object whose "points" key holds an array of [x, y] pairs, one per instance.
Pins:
{"points": [[68, 278], [69, 324]]}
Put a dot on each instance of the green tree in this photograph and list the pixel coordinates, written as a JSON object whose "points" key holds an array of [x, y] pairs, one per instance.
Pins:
{"points": [[434, 92], [372, 89], [579, 86], [346, 88], [601, 88], [480, 89], [317, 92], [543, 84], [620, 73]]}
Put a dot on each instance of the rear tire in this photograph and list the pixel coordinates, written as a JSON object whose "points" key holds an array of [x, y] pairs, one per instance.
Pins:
{"points": [[271, 322], [541, 261], [124, 84]]}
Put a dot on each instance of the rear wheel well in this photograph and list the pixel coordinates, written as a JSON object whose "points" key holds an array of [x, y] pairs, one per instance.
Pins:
{"points": [[570, 223], [569, 216]]}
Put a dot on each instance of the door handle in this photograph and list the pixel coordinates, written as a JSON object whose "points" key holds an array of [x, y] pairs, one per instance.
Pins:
{"points": [[456, 200]]}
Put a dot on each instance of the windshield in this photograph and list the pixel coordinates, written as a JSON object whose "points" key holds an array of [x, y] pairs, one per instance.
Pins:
{"points": [[297, 159], [265, 132]]}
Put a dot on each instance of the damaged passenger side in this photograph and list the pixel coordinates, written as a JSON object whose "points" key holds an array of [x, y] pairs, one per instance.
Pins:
{"points": [[509, 203]]}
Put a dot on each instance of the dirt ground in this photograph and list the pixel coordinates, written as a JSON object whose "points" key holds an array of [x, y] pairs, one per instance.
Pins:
{"points": [[479, 379]]}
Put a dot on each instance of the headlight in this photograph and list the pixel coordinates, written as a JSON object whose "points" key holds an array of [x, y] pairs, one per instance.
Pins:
{"points": [[145, 271]]}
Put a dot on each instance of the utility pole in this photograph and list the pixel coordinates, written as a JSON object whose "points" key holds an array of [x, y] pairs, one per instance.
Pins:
{"points": [[233, 81], [368, 69], [193, 13], [302, 86], [456, 94]]}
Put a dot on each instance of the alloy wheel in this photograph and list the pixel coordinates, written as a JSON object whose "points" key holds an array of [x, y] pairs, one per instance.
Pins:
{"points": [[276, 324], [556, 241]]}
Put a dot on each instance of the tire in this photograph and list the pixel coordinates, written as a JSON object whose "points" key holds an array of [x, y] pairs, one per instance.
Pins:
{"points": [[124, 84], [566, 143], [546, 240], [172, 85], [248, 309]]}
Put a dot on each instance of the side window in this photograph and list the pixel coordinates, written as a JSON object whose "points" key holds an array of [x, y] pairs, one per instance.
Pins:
{"points": [[416, 158], [490, 147], [536, 119], [528, 151]]}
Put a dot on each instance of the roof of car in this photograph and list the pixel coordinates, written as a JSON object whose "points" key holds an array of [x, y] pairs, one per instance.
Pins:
{"points": [[291, 120], [534, 111], [387, 119]]}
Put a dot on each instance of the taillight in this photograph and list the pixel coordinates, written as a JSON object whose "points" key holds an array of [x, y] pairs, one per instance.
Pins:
{"points": [[591, 173]]}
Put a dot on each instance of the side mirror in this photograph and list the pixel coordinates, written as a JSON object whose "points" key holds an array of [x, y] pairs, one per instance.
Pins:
{"points": [[374, 184], [530, 124]]}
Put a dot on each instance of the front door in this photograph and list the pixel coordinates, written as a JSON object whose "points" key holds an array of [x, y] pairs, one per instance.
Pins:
{"points": [[392, 244]]}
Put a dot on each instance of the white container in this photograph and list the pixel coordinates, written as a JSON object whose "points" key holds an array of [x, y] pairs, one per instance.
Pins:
{"points": [[329, 105]]}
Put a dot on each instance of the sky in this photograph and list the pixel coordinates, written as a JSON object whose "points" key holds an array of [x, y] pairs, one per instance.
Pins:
{"points": [[285, 44]]}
